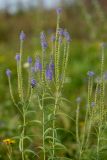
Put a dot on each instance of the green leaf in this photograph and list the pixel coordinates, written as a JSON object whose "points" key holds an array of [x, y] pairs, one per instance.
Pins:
{"points": [[35, 121], [39, 104], [62, 129], [48, 130], [41, 147], [59, 158], [28, 112], [66, 100], [60, 145], [20, 145], [64, 114], [30, 151], [28, 138], [51, 138]]}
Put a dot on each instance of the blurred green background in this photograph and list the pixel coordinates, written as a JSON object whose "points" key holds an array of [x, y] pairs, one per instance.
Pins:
{"points": [[86, 20]]}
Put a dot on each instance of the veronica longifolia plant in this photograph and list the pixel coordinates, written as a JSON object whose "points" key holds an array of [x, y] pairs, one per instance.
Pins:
{"points": [[47, 76]]}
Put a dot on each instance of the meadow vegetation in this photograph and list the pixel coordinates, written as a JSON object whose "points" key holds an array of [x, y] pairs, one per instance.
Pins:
{"points": [[53, 100]]}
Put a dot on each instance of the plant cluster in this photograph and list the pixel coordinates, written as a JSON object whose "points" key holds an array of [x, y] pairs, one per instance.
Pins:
{"points": [[46, 78]]}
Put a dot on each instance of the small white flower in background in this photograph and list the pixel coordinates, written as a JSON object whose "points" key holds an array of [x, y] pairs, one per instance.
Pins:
{"points": [[26, 65]]}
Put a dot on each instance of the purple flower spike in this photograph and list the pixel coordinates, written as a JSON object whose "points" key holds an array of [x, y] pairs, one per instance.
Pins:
{"points": [[61, 32], [17, 57], [44, 44], [33, 83], [38, 65], [29, 60], [22, 36], [8, 72], [49, 73], [32, 69], [51, 65], [42, 36], [58, 10], [43, 40], [78, 100], [53, 38], [90, 73], [60, 39], [67, 36]]}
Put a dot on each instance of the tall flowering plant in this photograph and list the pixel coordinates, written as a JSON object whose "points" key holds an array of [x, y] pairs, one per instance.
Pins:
{"points": [[46, 77]]}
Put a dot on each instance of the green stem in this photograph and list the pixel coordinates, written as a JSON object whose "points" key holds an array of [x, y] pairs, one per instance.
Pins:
{"points": [[12, 97], [23, 134], [20, 73], [77, 125], [9, 154], [98, 142], [65, 61], [56, 49], [43, 129], [54, 114], [29, 81], [44, 152]]}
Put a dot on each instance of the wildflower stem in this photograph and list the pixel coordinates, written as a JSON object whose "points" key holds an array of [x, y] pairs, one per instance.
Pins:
{"points": [[29, 80], [20, 81], [56, 49], [77, 125], [90, 84], [102, 86], [23, 134], [9, 154], [65, 60], [54, 119], [43, 129], [43, 69], [11, 91], [11, 94], [98, 141]]}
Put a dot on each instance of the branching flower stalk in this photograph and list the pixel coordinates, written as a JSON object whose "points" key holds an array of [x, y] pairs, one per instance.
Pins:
{"points": [[21, 105], [29, 78], [91, 104], [56, 59], [47, 74], [85, 137], [102, 84], [102, 111], [65, 61], [77, 121], [58, 86], [44, 46], [20, 89]]}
